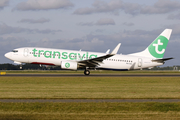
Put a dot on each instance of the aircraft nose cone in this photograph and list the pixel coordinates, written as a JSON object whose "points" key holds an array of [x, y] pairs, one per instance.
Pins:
{"points": [[8, 55]]}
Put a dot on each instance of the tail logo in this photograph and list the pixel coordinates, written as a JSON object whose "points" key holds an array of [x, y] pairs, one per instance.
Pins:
{"points": [[157, 46]]}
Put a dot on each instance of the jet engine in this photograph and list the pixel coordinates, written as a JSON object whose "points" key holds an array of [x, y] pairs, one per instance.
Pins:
{"points": [[70, 65]]}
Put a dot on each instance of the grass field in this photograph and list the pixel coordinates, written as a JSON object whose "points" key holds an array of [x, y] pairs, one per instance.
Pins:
{"points": [[90, 87], [93, 111], [93, 88]]}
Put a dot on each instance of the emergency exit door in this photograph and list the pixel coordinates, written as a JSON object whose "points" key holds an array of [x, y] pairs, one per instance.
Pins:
{"points": [[139, 62]]}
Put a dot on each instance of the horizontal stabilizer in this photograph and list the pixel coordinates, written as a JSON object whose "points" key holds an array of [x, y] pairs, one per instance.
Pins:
{"points": [[162, 60]]}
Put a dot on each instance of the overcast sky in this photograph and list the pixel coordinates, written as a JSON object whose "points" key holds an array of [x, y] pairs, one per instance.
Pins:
{"points": [[90, 25]]}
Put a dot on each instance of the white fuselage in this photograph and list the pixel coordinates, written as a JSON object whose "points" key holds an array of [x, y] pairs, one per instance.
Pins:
{"points": [[55, 57]]}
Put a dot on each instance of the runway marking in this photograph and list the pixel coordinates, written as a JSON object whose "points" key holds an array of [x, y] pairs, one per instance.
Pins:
{"points": [[3, 73]]}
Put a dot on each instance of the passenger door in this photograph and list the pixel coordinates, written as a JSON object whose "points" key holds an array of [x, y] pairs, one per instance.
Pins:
{"points": [[26, 52]]}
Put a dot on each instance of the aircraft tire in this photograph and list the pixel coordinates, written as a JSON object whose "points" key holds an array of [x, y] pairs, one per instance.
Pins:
{"points": [[86, 72]]}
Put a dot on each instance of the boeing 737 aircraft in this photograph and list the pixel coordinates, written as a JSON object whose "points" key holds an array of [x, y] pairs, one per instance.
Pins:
{"points": [[72, 60]]}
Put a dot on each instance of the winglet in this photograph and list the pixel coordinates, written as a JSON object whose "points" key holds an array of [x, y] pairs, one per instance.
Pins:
{"points": [[107, 52], [116, 49]]}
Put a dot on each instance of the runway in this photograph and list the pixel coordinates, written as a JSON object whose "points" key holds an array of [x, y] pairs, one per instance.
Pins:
{"points": [[86, 100], [91, 75]]}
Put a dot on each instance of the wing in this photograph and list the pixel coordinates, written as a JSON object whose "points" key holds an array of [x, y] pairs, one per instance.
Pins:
{"points": [[95, 61]]}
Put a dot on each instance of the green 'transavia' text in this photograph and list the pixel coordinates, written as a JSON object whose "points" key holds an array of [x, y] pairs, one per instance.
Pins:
{"points": [[62, 55]]}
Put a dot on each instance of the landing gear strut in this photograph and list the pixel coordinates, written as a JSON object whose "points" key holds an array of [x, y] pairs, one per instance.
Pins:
{"points": [[86, 72]]}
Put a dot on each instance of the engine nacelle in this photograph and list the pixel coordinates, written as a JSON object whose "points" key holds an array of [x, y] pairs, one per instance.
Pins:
{"points": [[69, 65]]}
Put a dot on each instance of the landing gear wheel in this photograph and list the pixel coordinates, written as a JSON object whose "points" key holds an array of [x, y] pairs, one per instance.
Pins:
{"points": [[86, 72], [20, 67]]}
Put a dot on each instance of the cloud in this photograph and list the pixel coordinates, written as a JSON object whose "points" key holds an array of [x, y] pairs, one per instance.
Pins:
{"points": [[172, 16], [132, 41], [43, 5], [128, 24], [71, 44], [175, 29], [3, 3], [99, 30], [131, 8], [86, 24], [10, 43], [100, 6], [102, 21], [116, 6], [82, 11], [5, 29], [161, 6], [105, 21], [41, 20]]}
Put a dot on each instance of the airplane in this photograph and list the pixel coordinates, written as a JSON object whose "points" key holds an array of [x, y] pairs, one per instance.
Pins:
{"points": [[72, 60]]}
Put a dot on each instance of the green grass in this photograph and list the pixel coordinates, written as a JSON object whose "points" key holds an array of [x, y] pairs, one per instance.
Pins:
{"points": [[93, 88], [89, 111], [90, 87]]}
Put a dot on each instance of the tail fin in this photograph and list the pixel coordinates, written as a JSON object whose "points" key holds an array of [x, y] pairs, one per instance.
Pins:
{"points": [[157, 48]]}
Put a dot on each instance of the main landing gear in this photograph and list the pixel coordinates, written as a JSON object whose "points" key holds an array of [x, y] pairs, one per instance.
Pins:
{"points": [[86, 72], [20, 67]]}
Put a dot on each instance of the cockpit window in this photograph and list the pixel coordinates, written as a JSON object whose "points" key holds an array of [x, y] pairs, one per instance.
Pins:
{"points": [[15, 51]]}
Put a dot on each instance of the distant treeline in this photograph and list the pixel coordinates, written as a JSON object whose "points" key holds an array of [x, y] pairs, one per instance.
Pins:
{"points": [[44, 67], [167, 68], [28, 67]]}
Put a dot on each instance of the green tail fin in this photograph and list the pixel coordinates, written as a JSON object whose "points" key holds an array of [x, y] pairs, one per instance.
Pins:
{"points": [[157, 48]]}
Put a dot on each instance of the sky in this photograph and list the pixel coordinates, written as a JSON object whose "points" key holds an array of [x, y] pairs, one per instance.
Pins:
{"points": [[89, 25]]}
